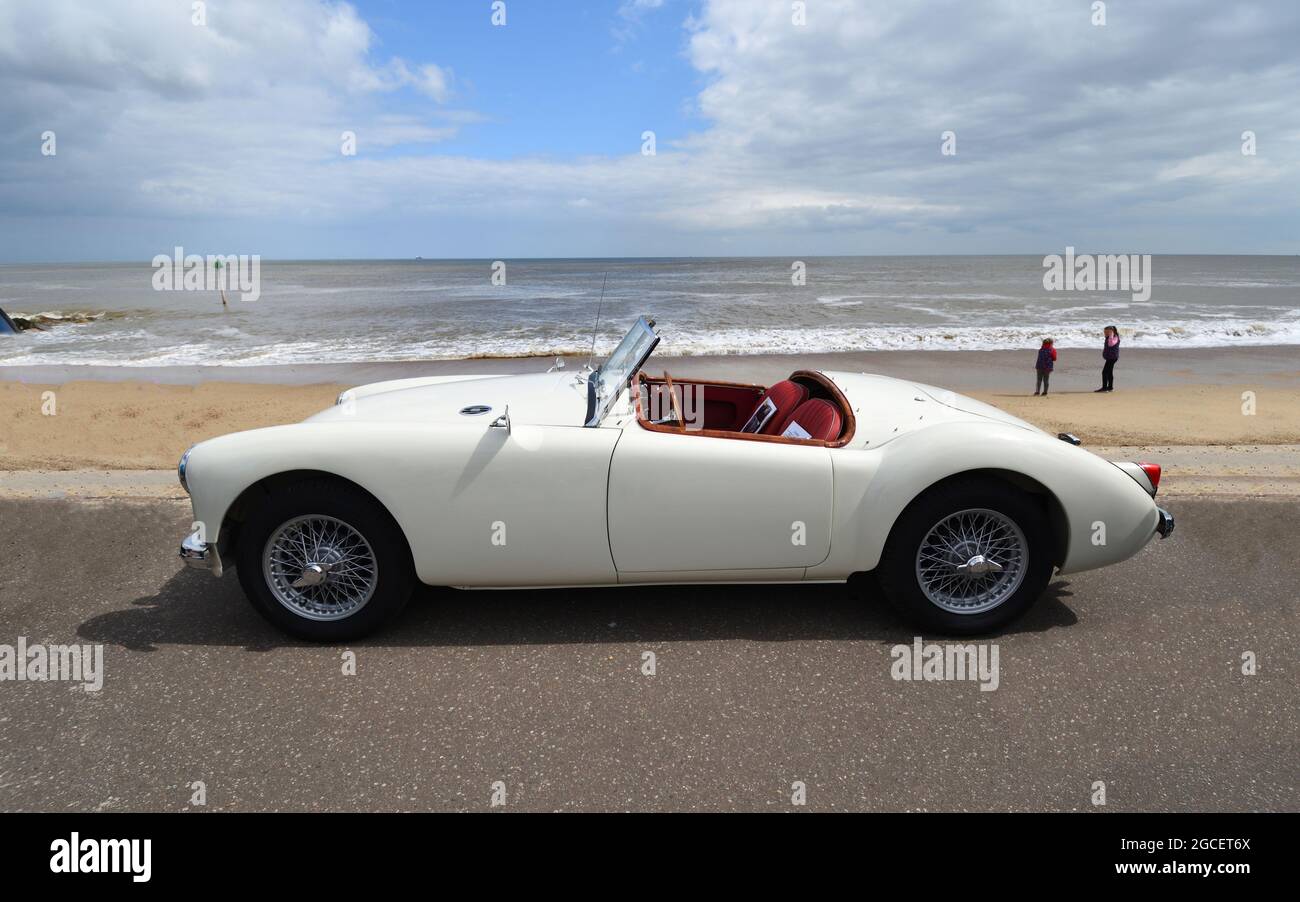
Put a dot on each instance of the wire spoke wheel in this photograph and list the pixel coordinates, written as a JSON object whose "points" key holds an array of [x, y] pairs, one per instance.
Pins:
{"points": [[972, 561], [320, 568]]}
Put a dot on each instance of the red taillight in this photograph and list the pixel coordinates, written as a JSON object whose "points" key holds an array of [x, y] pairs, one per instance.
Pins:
{"points": [[1153, 473]]}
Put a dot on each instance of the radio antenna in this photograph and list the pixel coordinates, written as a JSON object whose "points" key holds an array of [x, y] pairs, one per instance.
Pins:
{"points": [[596, 331]]}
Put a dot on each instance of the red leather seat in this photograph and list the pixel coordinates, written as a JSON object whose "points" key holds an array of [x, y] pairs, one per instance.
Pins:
{"points": [[820, 419], [787, 396]]}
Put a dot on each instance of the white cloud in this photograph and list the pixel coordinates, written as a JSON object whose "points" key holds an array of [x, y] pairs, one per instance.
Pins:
{"points": [[1060, 125], [631, 14], [824, 137], [243, 115], [633, 8]]}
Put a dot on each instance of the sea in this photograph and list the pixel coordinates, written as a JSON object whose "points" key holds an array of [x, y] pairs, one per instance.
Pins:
{"points": [[338, 311]]}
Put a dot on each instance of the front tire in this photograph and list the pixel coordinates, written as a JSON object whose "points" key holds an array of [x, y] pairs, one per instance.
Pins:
{"points": [[967, 557], [323, 561]]}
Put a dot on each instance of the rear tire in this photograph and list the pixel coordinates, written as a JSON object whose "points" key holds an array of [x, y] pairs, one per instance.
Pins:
{"points": [[323, 561], [930, 571]]}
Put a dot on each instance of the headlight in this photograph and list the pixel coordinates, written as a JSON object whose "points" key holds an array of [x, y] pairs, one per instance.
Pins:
{"points": [[180, 468], [343, 397]]}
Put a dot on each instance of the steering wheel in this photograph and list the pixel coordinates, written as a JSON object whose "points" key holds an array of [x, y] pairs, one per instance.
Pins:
{"points": [[672, 401]]}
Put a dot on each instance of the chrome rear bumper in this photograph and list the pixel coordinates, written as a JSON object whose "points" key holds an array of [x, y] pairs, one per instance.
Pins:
{"points": [[200, 555], [1165, 525]]}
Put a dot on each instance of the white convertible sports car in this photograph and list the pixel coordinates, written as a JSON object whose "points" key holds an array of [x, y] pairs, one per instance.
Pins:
{"points": [[958, 511]]}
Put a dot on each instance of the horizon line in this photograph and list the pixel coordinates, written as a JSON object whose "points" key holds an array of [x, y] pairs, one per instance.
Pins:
{"points": [[556, 259]]}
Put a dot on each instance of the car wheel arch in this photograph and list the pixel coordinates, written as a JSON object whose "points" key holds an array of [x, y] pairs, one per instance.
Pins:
{"points": [[1055, 511], [261, 490]]}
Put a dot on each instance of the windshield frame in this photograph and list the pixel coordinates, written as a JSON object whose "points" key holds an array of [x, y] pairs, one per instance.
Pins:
{"points": [[607, 381]]}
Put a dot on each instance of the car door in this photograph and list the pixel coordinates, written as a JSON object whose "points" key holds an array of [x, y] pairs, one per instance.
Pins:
{"points": [[517, 507], [695, 503]]}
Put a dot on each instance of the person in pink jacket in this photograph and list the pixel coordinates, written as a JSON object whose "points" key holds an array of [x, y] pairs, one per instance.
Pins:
{"points": [[1110, 354], [1046, 362]]}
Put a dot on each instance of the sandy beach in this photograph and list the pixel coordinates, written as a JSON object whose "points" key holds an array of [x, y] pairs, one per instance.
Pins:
{"points": [[129, 418], [141, 425]]}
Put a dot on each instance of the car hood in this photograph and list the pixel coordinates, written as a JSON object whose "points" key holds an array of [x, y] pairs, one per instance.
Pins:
{"points": [[555, 399], [885, 408]]}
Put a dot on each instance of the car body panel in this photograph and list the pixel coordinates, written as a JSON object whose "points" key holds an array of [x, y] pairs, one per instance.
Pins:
{"points": [[761, 506], [478, 505], [379, 388], [556, 399], [874, 486], [886, 408]]}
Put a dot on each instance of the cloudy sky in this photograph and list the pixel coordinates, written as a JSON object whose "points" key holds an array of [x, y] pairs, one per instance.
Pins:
{"points": [[526, 139]]}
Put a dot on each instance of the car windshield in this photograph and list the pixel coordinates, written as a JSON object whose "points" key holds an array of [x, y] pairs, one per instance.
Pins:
{"points": [[610, 378]]}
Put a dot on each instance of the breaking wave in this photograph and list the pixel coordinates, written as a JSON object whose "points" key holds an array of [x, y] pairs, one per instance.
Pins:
{"points": [[235, 349]]}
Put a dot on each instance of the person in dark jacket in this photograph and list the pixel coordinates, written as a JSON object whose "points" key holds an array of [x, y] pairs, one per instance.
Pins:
{"points": [[1046, 361], [1110, 354]]}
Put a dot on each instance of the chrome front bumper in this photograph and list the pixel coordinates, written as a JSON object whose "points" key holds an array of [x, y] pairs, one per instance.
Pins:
{"points": [[1165, 525], [200, 555]]}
